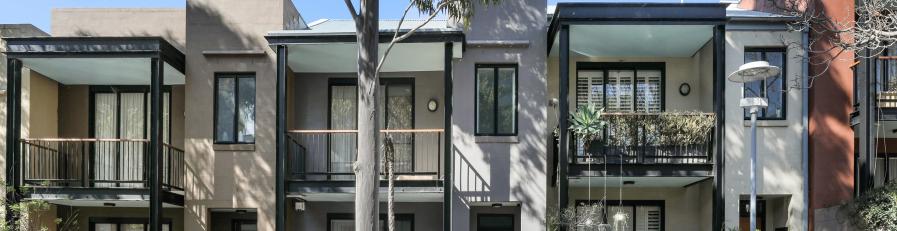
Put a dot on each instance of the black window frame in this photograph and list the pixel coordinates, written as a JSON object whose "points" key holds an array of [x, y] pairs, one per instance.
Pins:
{"points": [[119, 221], [784, 75], [476, 111], [605, 67], [236, 76], [744, 212], [383, 217], [503, 215], [237, 223]]}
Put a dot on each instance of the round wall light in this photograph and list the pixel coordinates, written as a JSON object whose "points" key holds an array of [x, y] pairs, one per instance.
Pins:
{"points": [[432, 105], [684, 89]]}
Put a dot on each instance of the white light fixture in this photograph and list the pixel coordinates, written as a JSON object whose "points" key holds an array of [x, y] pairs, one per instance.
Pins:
{"points": [[750, 72]]}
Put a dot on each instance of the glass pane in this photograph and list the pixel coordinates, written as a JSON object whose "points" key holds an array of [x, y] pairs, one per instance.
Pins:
{"points": [[485, 101], [495, 222], [246, 129], [342, 225], [403, 225], [648, 88], [891, 65], [775, 88], [619, 90], [225, 114], [131, 156], [105, 227], [166, 227], [507, 100], [620, 217], [590, 88], [133, 227], [399, 116], [105, 126], [343, 114], [753, 89]]}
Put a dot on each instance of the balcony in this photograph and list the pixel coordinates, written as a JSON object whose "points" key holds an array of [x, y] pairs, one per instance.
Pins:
{"points": [[649, 144], [328, 155], [97, 163]]}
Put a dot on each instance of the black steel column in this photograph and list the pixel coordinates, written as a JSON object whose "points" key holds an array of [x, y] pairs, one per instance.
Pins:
{"points": [[448, 153], [13, 133], [563, 114], [280, 200], [719, 89], [156, 80]]}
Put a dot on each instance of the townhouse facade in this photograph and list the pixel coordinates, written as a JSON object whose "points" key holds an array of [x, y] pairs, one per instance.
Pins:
{"points": [[233, 115]]}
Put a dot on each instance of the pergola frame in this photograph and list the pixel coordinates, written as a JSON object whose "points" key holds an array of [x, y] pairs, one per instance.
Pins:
{"points": [[157, 49]]}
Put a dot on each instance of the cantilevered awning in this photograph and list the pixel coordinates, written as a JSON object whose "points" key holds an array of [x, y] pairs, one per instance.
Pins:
{"points": [[98, 60], [330, 47]]}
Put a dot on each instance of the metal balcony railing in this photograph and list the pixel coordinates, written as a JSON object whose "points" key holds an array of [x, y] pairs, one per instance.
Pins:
{"points": [[649, 138], [329, 154], [97, 163]]}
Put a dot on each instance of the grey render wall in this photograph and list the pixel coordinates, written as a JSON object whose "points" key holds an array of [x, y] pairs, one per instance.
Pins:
{"points": [[496, 169]]}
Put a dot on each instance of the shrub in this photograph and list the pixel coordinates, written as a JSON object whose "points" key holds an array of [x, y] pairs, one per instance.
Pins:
{"points": [[876, 209]]}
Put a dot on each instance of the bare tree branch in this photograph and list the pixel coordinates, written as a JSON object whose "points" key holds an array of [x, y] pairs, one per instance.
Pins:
{"points": [[352, 11], [396, 38]]}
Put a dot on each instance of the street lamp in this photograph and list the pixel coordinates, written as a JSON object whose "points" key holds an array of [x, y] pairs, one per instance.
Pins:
{"points": [[750, 72]]}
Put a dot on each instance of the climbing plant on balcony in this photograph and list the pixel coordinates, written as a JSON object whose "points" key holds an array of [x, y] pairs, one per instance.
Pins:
{"points": [[876, 209], [27, 212], [663, 129]]}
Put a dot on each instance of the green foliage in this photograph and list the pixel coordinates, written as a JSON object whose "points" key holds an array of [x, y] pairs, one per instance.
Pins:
{"points": [[876, 209], [26, 211], [586, 123], [663, 129], [456, 9], [583, 216]]}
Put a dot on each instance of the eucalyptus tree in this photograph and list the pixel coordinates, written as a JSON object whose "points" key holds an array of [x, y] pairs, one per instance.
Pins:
{"points": [[366, 19]]}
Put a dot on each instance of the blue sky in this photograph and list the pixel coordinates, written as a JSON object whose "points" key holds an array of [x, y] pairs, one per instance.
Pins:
{"points": [[37, 12]]}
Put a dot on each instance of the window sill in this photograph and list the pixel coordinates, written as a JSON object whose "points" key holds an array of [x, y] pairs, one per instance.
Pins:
{"points": [[234, 147], [768, 123], [496, 139]]}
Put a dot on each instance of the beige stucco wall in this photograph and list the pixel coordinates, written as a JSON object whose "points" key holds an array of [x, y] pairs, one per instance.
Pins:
{"points": [[685, 209], [503, 169], [222, 177], [168, 23], [779, 155], [40, 95]]}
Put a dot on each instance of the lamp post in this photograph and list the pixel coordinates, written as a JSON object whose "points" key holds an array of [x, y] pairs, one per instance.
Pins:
{"points": [[750, 72]]}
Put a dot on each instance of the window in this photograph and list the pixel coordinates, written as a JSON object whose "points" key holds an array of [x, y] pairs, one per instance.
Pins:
{"points": [[495, 222], [744, 215], [496, 100], [235, 108], [640, 215], [124, 224], [345, 222], [773, 89], [621, 87]]}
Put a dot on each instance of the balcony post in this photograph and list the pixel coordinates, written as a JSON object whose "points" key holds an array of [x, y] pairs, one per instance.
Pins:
{"points": [[280, 149], [13, 134], [157, 76], [563, 114], [447, 154], [719, 87]]}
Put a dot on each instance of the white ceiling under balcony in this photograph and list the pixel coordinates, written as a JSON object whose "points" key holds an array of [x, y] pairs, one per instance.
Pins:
{"points": [[626, 41], [101, 71], [342, 57]]}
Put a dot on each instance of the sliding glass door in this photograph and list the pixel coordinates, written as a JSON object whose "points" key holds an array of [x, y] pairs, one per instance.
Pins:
{"points": [[396, 113], [123, 115]]}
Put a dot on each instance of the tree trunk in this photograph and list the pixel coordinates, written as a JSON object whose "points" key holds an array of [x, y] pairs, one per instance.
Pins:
{"points": [[390, 158], [367, 177]]}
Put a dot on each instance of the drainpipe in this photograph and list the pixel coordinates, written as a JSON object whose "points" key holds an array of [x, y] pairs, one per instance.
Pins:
{"points": [[805, 132]]}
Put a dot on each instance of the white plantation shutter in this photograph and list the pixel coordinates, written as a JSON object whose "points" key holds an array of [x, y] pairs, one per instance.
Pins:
{"points": [[590, 88], [648, 89], [648, 218], [619, 90]]}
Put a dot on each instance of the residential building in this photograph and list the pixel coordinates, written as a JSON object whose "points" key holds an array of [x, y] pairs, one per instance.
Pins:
{"points": [[256, 117]]}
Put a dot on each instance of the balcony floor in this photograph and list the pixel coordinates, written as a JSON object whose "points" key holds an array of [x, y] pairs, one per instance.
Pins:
{"points": [[97, 197], [405, 191]]}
